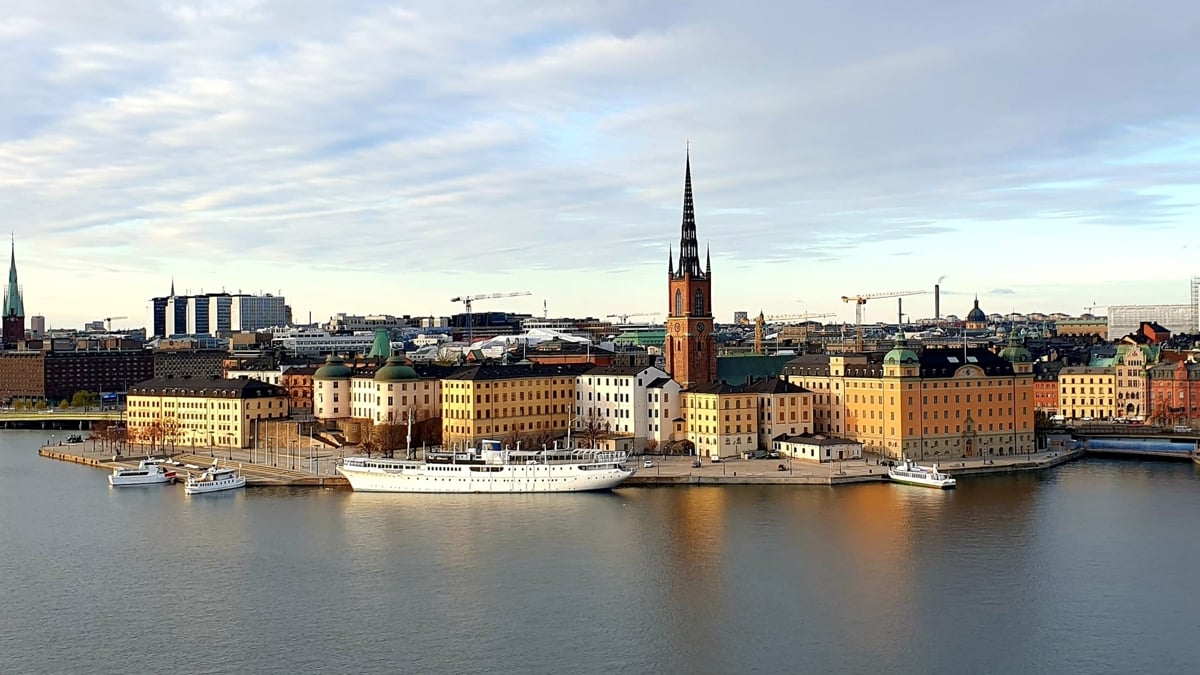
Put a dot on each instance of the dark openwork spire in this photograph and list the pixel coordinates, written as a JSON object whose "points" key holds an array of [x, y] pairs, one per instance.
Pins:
{"points": [[671, 260], [708, 260], [689, 249]]}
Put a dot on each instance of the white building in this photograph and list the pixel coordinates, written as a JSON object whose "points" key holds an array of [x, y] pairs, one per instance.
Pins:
{"points": [[662, 409], [353, 323], [316, 342], [269, 376], [618, 400], [386, 395], [817, 448], [1126, 319]]}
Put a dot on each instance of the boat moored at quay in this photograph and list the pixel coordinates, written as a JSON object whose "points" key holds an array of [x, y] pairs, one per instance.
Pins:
{"points": [[214, 479], [490, 468], [148, 472], [911, 473]]}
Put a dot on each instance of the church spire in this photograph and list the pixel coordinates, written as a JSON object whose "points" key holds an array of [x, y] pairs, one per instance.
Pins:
{"points": [[172, 288], [689, 249], [671, 260], [13, 304], [708, 260]]}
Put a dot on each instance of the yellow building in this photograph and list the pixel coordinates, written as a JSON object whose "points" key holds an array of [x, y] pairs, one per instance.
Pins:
{"points": [[1087, 392], [529, 403], [201, 412], [783, 409], [720, 419], [1132, 384], [1082, 327], [945, 402]]}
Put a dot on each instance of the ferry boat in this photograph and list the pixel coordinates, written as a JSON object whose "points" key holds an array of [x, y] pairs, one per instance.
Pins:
{"points": [[908, 471], [490, 468], [148, 472], [214, 479]]}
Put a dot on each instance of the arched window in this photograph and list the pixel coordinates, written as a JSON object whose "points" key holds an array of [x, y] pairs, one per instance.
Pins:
{"points": [[698, 303], [678, 302]]}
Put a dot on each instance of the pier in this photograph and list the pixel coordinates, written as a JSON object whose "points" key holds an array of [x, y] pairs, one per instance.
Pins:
{"points": [[679, 470], [283, 471]]}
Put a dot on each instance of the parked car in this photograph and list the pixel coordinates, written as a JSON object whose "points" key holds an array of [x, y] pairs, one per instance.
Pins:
{"points": [[649, 464], [1183, 429], [696, 464]]}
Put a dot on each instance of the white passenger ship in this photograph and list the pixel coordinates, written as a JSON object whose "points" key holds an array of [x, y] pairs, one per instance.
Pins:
{"points": [[490, 468], [911, 473], [148, 472], [214, 479]]}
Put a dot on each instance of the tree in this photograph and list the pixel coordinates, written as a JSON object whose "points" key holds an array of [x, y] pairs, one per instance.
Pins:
{"points": [[389, 436], [64, 404], [20, 404], [40, 405], [85, 399], [651, 446], [592, 425]]}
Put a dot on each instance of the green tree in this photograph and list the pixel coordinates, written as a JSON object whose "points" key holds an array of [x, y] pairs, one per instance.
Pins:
{"points": [[40, 405], [20, 404], [64, 404], [85, 399]]}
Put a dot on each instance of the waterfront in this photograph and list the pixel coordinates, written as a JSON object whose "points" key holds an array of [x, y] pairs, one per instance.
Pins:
{"points": [[1086, 568]]}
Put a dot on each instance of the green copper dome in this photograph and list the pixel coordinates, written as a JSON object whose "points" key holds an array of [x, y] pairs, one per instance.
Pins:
{"points": [[335, 368], [901, 354], [395, 370], [1014, 352]]}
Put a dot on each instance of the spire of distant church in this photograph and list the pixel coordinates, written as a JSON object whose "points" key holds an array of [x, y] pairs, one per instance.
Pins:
{"points": [[689, 249], [172, 288], [13, 304], [671, 260]]}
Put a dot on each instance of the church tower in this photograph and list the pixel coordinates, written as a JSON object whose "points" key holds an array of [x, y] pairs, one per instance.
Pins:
{"points": [[690, 348], [14, 307]]}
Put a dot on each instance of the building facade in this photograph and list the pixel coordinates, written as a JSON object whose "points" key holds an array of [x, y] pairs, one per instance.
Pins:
{"points": [[943, 402], [528, 403], [783, 409], [616, 400], [720, 419], [1087, 392], [198, 412], [817, 448], [1174, 389], [690, 347]]}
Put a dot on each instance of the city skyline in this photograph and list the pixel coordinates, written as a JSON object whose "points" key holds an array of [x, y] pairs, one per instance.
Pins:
{"points": [[420, 154]]}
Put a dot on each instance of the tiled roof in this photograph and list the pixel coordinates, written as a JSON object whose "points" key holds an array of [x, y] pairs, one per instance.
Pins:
{"points": [[816, 439], [717, 388], [207, 387], [775, 385], [518, 371]]}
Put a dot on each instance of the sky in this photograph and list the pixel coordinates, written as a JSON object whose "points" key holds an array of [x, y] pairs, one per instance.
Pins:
{"points": [[368, 157]]}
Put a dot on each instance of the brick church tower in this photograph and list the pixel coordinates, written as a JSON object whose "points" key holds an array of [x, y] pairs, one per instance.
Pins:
{"points": [[690, 348], [14, 308]]}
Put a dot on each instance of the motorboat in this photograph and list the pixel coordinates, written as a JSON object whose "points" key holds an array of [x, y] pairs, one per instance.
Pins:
{"points": [[214, 479], [148, 472], [911, 473]]}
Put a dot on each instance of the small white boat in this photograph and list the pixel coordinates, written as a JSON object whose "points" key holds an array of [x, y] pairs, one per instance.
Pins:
{"points": [[908, 471], [214, 479], [148, 472]]}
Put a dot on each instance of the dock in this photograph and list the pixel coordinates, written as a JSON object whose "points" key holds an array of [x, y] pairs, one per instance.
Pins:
{"points": [[258, 474], [667, 471]]}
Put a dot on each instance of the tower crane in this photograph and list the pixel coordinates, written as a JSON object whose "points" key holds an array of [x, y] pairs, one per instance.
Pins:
{"points": [[1091, 309], [466, 300], [626, 317], [861, 299], [108, 322]]}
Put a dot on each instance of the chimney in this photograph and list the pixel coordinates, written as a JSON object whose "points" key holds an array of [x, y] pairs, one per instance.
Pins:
{"points": [[937, 302]]}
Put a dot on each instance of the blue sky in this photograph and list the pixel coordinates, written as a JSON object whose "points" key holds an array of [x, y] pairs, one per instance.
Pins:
{"points": [[381, 158]]}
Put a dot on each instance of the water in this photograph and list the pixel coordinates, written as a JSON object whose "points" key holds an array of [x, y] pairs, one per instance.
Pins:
{"points": [[1089, 568]]}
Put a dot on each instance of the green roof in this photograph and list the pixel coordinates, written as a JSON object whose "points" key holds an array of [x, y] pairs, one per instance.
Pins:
{"points": [[901, 354], [382, 347], [335, 368], [736, 368], [395, 370], [641, 338]]}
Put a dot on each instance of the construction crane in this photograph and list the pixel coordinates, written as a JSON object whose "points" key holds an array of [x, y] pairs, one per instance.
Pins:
{"points": [[466, 300], [803, 318], [626, 317], [1091, 309], [108, 322], [861, 299]]}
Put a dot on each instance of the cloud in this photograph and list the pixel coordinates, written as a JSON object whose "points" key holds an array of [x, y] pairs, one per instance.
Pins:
{"points": [[1001, 291], [511, 137]]}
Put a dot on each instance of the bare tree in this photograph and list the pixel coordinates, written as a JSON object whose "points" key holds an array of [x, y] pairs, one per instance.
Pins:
{"points": [[651, 446], [389, 436]]}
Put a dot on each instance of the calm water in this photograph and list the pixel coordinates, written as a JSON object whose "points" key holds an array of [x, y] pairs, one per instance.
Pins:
{"points": [[1090, 568]]}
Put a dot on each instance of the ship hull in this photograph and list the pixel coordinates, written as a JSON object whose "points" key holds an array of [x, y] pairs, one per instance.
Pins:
{"points": [[484, 479]]}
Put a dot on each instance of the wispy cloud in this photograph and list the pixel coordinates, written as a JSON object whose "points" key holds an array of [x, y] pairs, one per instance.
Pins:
{"points": [[446, 139]]}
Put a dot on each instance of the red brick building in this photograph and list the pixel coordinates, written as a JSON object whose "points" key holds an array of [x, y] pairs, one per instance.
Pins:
{"points": [[1045, 389], [1174, 393], [690, 348]]}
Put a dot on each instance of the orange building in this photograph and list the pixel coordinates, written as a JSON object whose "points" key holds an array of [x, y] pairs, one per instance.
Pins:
{"points": [[1175, 393], [1045, 388], [944, 402]]}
